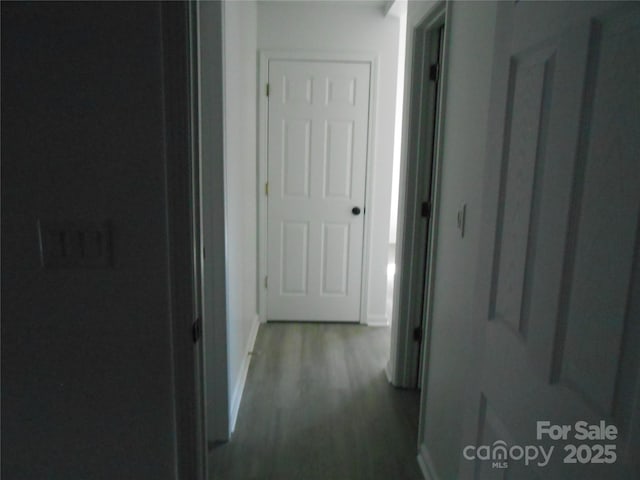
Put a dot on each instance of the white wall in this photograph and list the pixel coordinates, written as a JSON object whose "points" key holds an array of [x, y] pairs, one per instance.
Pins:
{"points": [[240, 120], [321, 26], [397, 137], [87, 382], [469, 52]]}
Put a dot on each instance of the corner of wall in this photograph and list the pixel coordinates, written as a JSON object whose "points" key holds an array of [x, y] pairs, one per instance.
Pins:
{"points": [[238, 389], [426, 464], [388, 370], [377, 320]]}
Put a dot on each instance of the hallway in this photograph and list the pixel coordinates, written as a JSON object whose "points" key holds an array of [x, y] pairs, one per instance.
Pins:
{"points": [[317, 406]]}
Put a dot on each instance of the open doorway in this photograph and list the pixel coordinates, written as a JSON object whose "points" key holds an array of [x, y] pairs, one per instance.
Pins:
{"points": [[420, 199], [362, 32]]}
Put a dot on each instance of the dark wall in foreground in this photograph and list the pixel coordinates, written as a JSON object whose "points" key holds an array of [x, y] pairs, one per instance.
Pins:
{"points": [[86, 365]]}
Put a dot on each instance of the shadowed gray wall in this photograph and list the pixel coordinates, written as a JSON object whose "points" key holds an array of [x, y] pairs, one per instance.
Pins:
{"points": [[471, 27], [214, 232], [86, 353]]}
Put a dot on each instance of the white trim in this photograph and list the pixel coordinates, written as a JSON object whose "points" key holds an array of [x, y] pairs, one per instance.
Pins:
{"points": [[371, 157], [398, 351], [426, 464], [180, 159], [388, 370], [409, 280], [437, 183], [242, 378], [377, 321], [263, 122], [197, 233], [263, 142]]}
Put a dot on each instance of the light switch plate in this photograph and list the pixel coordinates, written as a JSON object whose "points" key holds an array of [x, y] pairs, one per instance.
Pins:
{"points": [[75, 244]]}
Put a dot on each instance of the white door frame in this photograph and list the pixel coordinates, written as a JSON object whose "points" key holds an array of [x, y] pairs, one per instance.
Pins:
{"points": [[408, 289], [209, 102], [179, 40], [263, 122]]}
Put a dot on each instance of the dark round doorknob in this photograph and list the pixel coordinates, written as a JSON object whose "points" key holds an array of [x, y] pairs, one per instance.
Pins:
{"points": [[355, 210]]}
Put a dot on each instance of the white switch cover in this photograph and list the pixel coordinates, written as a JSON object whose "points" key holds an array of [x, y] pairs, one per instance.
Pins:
{"points": [[75, 244]]}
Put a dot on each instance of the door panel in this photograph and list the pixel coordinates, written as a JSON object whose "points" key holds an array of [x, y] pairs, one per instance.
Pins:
{"points": [[317, 152], [335, 259], [295, 257], [296, 157], [557, 296], [338, 164]]}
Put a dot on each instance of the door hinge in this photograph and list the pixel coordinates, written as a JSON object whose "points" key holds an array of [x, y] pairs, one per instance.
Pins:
{"points": [[417, 334], [267, 90], [425, 210], [196, 330], [434, 69], [266, 189], [266, 281]]}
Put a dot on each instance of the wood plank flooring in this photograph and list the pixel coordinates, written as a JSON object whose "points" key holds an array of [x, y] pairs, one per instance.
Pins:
{"points": [[317, 406]]}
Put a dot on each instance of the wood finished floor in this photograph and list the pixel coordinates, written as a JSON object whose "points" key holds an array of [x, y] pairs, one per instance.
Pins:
{"points": [[317, 406]]}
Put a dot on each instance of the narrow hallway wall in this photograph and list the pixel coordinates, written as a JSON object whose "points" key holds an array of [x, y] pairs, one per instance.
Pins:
{"points": [[240, 120], [87, 380], [469, 52]]}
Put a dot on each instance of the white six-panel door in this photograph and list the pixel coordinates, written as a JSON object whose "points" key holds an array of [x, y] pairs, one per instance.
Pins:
{"points": [[317, 152], [558, 309]]}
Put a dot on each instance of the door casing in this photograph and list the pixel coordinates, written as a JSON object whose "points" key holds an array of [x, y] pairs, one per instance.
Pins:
{"points": [[179, 40], [263, 125], [409, 291]]}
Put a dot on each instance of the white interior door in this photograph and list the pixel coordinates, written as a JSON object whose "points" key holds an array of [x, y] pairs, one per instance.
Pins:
{"points": [[558, 305], [317, 152]]}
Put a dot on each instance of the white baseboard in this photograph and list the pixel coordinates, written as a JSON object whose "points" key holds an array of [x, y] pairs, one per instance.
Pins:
{"points": [[244, 369], [389, 371], [426, 464], [377, 320]]}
